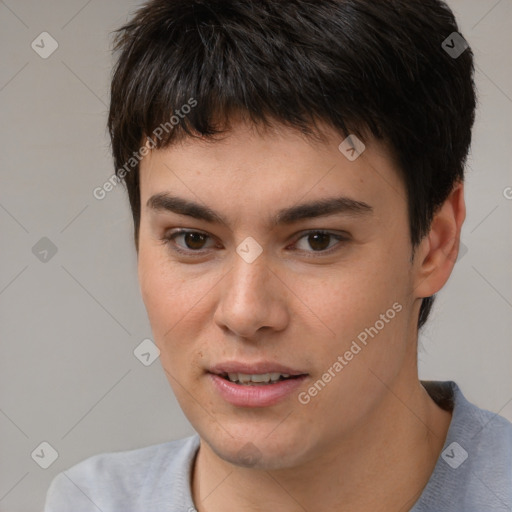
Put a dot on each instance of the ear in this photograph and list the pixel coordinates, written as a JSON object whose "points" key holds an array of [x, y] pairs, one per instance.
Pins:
{"points": [[437, 253]]}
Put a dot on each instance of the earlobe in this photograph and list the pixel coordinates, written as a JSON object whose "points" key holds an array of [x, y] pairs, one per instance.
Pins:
{"points": [[437, 253]]}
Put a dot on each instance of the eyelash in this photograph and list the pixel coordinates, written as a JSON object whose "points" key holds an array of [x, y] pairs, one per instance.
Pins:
{"points": [[169, 241]]}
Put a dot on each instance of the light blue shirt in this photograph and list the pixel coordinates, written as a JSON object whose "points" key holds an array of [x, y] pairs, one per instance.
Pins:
{"points": [[473, 473]]}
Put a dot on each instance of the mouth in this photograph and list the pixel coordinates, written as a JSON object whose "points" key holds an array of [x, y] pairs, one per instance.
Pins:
{"points": [[259, 385], [257, 379]]}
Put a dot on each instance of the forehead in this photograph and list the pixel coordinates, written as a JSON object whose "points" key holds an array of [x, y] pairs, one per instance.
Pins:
{"points": [[252, 169]]}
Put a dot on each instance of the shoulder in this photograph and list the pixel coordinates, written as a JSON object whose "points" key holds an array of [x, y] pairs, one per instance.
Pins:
{"points": [[479, 457], [474, 471], [470, 422], [487, 434], [122, 479]]}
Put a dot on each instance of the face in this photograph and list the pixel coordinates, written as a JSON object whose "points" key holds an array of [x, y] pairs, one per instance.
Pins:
{"points": [[265, 254]]}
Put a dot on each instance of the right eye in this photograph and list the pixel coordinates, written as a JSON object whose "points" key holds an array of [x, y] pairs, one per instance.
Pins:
{"points": [[192, 241]]}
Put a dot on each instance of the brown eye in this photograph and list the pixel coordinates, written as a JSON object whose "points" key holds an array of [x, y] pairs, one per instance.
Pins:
{"points": [[187, 242], [194, 241], [320, 242]]}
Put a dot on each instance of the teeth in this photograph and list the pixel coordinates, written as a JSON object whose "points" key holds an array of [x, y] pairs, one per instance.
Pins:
{"points": [[263, 378]]}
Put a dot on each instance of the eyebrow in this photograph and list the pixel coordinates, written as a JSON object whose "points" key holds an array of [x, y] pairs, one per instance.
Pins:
{"points": [[290, 215]]}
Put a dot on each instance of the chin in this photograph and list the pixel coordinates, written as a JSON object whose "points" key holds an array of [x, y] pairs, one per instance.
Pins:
{"points": [[254, 448], [250, 456]]}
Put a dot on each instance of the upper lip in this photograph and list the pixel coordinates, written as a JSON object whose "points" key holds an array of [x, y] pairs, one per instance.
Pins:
{"points": [[253, 368]]}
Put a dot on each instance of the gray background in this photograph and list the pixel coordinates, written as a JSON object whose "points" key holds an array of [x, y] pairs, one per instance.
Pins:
{"points": [[69, 325]]}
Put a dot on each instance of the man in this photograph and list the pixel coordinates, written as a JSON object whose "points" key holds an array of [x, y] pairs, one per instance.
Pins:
{"points": [[295, 173]]}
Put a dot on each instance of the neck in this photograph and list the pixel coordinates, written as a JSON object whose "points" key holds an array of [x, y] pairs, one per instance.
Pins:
{"points": [[383, 465]]}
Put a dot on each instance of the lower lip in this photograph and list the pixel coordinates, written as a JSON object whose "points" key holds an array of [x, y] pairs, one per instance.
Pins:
{"points": [[255, 395]]}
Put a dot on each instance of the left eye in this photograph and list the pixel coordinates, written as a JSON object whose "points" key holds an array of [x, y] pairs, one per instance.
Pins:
{"points": [[320, 241]]}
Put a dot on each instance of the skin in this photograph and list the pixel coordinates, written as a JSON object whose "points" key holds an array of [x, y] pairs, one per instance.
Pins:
{"points": [[370, 439]]}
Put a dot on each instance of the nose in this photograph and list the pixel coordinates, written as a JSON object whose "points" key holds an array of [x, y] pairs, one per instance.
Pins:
{"points": [[253, 299]]}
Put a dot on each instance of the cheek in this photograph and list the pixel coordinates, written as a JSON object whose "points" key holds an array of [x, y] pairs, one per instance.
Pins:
{"points": [[348, 298], [177, 306], [164, 293], [154, 286], [366, 303], [372, 347]]}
